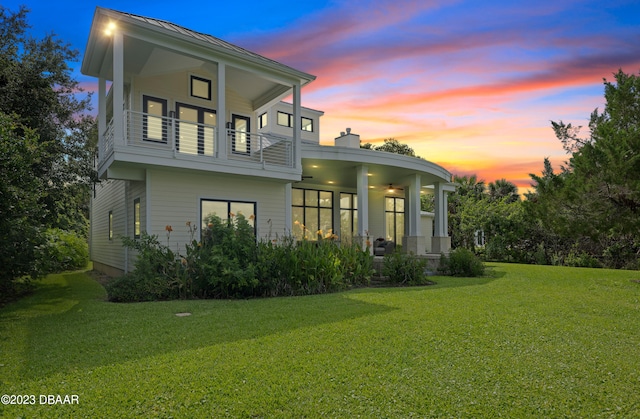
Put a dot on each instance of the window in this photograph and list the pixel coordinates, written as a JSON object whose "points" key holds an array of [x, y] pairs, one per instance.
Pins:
{"points": [[394, 215], [110, 225], [285, 119], [307, 124], [240, 136], [136, 218], [154, 122], [195, 129], [224, 209], [348, 214], [200, 88], [262, 120], [312, 213]]}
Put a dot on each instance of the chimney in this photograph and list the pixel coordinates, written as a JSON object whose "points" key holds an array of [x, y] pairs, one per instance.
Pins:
{"points": [[348, 140]]}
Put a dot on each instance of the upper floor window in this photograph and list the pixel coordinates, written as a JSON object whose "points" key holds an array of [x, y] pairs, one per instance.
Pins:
{"points": [[285, 119], [154, 123], [262, 120], [200, 87], [307, 124]]}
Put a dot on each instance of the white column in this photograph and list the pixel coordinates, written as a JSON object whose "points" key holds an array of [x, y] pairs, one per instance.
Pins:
{"points": [[363, 200], [413, 206], [297, 127], [118, 88], [221, 112], [440, 210], [102, 116], [441, 242]]}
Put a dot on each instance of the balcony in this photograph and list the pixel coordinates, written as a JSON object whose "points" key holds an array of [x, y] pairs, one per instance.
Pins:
{"points": [[168, 137]]}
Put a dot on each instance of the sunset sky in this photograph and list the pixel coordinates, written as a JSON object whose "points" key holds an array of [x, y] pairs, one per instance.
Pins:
{"points": [[470, 85]]}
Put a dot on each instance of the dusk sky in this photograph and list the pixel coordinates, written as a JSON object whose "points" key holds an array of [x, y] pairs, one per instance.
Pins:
{"points": [[470, 85]]}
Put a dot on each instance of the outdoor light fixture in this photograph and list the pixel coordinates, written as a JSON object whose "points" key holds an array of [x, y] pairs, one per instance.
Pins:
{"points": [[110, 28]]}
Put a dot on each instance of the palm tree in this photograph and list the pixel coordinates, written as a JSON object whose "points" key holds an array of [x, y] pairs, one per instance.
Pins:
{"points": [[502, 188]]}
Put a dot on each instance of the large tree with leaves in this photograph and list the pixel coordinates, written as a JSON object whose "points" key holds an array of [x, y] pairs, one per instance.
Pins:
{"points": [[594, 200], [47, 143]]}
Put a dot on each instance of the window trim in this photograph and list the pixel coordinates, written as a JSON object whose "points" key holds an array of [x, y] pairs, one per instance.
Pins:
{"points": [[395, 214], [353, 211], [302, 126], [137, 218], [145, 119], [229, 202], [110, 224], [304, 206], [289, 119], [260, 121], [193, 77]]}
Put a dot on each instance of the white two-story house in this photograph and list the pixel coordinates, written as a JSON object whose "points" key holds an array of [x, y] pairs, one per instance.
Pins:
{"points": [[191, 125]]}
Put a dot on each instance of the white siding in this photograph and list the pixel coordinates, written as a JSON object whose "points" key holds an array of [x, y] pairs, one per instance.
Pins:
{"points": [[109, 196], [175, 199]]}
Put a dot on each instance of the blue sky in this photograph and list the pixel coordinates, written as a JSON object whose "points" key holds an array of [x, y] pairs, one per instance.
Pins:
{"points": [[471, 85]]}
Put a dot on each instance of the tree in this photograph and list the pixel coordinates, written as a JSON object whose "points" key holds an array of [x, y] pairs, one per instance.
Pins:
{"points": [[47, 145], [503, 189], [595, 200], [391, 145]]}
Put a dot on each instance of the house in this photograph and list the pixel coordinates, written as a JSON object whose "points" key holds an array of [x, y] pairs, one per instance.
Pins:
{"points": [[191, 125]]}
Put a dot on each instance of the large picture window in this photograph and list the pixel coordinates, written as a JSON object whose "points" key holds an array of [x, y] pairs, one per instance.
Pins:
{"points": [[394, 215], [312, 213], [226, 210], [348, 214], [154, 122]]}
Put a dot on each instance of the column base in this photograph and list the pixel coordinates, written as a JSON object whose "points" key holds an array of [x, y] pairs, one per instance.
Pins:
{"points": [[414, 244], [441, 244]]}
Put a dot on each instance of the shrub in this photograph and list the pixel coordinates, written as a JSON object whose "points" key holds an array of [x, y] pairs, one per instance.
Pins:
{"points": [[64, 250], [229, 263], [403, 268], [461, 262]]}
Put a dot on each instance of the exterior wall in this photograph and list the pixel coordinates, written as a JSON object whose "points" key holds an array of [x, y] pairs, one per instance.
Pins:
{"points": [[273, 127], [109, 196], [175, 199], [175, 88]]}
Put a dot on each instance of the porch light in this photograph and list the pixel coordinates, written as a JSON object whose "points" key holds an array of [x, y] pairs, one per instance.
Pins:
{"points": [[111, 27]]}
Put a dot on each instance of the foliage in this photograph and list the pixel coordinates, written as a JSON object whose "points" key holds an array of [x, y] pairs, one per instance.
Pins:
{"points": [[229, 263], [461, 262], [21, 233], [529, 342], [404, 268], [47, 146], [594, 201], [391, 145], [65, 250]]}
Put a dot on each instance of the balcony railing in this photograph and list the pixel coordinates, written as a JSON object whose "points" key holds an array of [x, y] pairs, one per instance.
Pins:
{"points": [[181, 138]]}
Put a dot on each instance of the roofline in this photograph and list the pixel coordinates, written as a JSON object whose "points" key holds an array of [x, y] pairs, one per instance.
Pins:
{"points": [[231, 50]]}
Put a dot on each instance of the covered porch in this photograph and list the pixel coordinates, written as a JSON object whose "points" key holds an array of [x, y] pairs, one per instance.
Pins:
{"points": [[386, 194]]}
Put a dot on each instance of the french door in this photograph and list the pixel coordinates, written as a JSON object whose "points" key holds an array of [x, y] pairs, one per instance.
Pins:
{"points": [[195, 129]]}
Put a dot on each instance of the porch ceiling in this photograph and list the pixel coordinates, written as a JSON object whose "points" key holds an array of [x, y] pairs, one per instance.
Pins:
{"points": [[146, 59]]}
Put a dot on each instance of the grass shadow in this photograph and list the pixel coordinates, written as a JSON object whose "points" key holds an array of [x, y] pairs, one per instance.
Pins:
{"points": [[70, 326]]}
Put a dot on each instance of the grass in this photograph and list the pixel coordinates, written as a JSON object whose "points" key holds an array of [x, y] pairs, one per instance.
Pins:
{"points": [[529, 341]]}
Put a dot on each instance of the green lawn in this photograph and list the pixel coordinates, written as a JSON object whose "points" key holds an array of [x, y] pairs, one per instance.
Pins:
{"points": [[529, 341]]}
